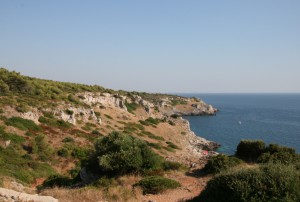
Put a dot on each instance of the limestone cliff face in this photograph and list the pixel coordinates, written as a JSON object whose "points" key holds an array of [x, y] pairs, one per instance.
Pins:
{"points": [[105, 99], [108, 112]]}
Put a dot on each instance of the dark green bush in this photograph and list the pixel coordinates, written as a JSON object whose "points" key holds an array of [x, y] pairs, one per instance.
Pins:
{"points": [[157, 184], [172, 145], [171, 165], [171, 123], [96, 132], [81, 153], [120, 153], [150, 122], [22, 124], [175, 116], [250, 150], [279, 154], [152, 136], [154, 145], [268, 183], [57, 181], [69, 112], [275, 148], [107, 116], [220, 163], [63, 152], [68, 139]]}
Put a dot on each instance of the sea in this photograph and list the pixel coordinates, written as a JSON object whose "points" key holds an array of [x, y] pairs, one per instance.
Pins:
{"points": [[273, 118]]}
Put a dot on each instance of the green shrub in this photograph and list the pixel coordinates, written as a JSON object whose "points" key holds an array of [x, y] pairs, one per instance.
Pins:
{"points": [[63, 152], [154, 145], [152, 136], [250, 150], [54, 122], [22, 108], [96, 132], [120, 153], [81, 153], [157, 184], [275, 148], [220, 163], [22, 124], [107, 116], [57, 181], [69, 112], [171, 123], [104, 182], [150, 122], [172, 145], [279, 154], [41, 148], [175, 116], [15, 164], [170, 165], [268, 183], [68, 139], [131, 107]]}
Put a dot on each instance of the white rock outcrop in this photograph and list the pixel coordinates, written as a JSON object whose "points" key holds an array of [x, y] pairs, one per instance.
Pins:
{"points": [[8, 195], [105, 99]]}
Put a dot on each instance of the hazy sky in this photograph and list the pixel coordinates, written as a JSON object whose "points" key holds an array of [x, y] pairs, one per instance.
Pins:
{"points": [[156, 45]]}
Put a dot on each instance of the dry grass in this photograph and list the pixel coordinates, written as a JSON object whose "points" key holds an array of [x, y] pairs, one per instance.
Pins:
{"points": [[121, 190]]}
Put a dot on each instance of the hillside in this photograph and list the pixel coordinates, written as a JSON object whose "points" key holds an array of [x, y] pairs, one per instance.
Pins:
{"points": [[49, 127]]}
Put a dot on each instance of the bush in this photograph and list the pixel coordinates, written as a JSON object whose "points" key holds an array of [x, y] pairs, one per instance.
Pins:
{"points": [[157, 184], [96, 132], [175, 116], [68, 139], [131, 107], [57, 181], [63, 152], [279, 154], [81, 153], [150, 122], [250, 150], [22, 124], [170, 165], [172, 145], [120, 153], [54, 122], [268, 183], [220, 163], [69, 112]]}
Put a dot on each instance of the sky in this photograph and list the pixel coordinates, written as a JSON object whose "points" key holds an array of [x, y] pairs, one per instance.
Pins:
{"points": [[195, 46]]}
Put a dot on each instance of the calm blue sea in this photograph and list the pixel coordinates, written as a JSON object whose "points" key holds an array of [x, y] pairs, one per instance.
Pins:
{"points": [[274, 118]]}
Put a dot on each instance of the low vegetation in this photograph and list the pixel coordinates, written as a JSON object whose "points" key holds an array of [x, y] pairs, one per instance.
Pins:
{"points": [[157, 184], [270, 182], [275, 176], [220, 163], [22, 124], [122, 154]]}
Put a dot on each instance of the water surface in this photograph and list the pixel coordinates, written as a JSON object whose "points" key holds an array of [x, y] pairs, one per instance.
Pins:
{"points": [[274, 118]]}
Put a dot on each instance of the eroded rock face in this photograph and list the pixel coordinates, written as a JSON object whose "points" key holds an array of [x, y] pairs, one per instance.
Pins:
{"points": [[105, 99], [33, 115], [83, 114], [148, 106]]}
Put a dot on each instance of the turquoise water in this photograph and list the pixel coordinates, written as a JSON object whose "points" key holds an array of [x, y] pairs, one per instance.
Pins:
{"points": [[274, 118]]}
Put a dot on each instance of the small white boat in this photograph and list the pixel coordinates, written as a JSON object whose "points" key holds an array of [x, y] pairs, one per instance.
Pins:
{"points": [[240, 122]]}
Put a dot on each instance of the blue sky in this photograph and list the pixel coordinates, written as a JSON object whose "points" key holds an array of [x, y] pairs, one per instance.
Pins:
{"points": [[156, 46]]}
